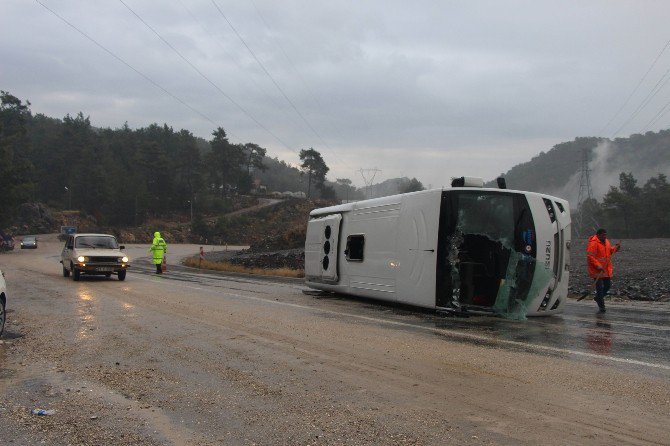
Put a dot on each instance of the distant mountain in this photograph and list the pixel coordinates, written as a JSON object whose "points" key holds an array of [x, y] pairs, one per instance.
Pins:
{"points": [[392, 186], [558, 171]]}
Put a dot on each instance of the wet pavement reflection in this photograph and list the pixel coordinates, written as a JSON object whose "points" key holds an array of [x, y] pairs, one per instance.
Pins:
{"points": [[638, 334], [624, 332], [599, 338]]}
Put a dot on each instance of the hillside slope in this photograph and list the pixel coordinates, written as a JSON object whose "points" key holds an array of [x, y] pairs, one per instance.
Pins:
{"points": [[557, 171]]}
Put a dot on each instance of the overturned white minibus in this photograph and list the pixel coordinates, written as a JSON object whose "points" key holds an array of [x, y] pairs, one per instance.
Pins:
{"points": [[456, 249]]}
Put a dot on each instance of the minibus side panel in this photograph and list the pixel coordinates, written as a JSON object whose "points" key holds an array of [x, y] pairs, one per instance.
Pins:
{"points": [[375, 223], [417, 253]]}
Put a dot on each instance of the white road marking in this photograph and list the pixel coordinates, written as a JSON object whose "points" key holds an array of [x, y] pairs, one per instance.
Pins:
{"points": [[619, 323], [453, 333]]}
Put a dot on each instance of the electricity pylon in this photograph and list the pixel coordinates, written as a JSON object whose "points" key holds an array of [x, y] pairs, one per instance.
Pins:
{"points": [[368, 177], [585, 191]]}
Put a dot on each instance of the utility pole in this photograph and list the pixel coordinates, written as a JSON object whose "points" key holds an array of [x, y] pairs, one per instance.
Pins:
{"points": [[69, 196], [585, 190], [368, 177]]}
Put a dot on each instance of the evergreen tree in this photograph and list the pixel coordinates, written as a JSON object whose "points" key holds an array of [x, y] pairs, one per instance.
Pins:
{"points": [[314, 167], [224, 162], [16, 185]]}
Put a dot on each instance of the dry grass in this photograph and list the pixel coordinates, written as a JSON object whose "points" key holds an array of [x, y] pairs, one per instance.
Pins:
{"points": [[229, 267]]}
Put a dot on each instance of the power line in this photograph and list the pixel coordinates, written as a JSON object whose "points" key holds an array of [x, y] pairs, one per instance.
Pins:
{"points": [[290, 61], [249, 115], [273, 80], [661, 113], [230, 55], [636, 88], [115, 56], [654, 91]]}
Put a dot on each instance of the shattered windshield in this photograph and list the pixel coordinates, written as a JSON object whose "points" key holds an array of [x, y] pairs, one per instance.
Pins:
{"points": [[487, 252], [491, 216], [96, 241]]}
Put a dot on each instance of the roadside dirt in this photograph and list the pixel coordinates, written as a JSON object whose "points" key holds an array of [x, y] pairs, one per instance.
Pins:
{"points": [[640, 269], [155, 360]]}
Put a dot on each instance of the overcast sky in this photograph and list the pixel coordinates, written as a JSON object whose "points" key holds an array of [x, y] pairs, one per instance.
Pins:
{"points": [[428, 89]]}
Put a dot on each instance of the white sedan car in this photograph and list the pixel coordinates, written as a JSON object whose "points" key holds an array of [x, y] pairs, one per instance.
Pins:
{"points": [[94, 254]]}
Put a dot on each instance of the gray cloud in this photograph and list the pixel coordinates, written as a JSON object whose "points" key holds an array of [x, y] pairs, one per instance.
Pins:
{"points": [[429, 89]]}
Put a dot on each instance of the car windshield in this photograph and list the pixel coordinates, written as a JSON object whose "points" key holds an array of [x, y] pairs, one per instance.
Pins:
{"points": [[96, 241], [28, 239]]}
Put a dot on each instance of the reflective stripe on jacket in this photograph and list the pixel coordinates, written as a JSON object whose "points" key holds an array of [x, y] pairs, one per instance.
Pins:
{"points": [[599, 254]]}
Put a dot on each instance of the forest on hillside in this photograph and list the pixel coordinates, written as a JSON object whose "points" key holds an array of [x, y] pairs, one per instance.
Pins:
{"points": [[628, 210], [120, 176], [560, 170], [619, 184], [124, 176]]}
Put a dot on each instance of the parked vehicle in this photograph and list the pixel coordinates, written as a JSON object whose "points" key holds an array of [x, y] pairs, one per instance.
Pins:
{"points": [[3, 302], [462, 248], [6, 242], [93, 254], [29, 242]]}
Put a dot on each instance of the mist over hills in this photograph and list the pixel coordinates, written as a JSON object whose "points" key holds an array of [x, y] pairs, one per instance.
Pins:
{"points": [[558, 171]]}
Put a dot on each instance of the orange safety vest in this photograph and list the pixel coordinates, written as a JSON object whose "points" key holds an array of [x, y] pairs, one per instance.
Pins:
{"points": [[599, 254]]}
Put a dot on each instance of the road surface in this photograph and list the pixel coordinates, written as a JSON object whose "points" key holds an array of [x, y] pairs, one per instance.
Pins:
{"points": [[195, 358]]}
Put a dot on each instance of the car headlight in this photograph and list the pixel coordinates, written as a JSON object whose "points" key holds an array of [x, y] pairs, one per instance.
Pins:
{"points": [[123, 259], [81, 259]]}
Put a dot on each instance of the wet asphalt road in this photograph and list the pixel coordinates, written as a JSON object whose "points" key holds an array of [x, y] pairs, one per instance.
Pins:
{"points": [[630, 334], [197, 357]]}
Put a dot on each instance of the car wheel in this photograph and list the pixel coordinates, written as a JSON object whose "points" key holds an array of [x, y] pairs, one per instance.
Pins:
{"points": [[76, 274], [2, 316], [66, 272], [122, 275]]}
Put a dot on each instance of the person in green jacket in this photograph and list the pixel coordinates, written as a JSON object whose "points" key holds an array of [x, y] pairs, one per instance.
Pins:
{"points": [[158, 249]]}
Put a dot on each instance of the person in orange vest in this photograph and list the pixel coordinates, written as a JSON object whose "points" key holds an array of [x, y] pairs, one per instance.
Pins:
{"points": [[599, 260]]}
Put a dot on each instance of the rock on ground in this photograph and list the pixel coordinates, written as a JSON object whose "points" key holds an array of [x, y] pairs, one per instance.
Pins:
{"points": [[640, 269]]}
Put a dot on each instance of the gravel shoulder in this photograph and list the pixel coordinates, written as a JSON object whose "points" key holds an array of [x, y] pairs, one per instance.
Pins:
{"points": [[189, 361], [641, 270]]}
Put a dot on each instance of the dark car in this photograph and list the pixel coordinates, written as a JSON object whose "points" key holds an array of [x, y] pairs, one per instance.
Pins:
{"points": [[29, 242], [6, 242]]}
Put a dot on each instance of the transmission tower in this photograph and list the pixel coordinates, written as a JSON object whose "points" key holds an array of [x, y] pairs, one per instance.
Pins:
{"points": [[368, 177], [585, 191]]}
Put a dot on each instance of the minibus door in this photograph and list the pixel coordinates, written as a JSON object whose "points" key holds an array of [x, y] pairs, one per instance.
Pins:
{"points": [[321, 248]]}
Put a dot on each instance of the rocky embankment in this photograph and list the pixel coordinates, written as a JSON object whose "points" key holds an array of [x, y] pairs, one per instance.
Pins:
{"points": [[641, 269], [284, 258]]}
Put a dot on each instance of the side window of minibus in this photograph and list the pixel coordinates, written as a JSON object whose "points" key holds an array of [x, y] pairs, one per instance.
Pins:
{"points": [[355, 248]]}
